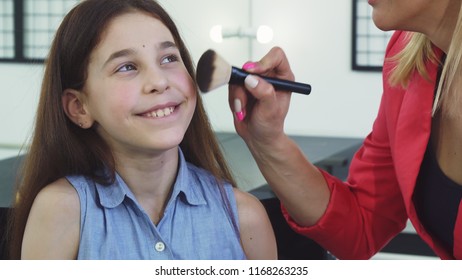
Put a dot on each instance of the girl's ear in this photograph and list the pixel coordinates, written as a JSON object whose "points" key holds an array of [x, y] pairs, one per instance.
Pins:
{"points": [[74, 108]]}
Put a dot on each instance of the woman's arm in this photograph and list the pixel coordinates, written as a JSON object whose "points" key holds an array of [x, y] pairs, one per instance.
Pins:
{"points": [[53, 226], [297, 182]]}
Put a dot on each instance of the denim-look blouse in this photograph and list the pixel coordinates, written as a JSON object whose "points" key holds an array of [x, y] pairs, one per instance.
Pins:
{"points": [[196, 223]]}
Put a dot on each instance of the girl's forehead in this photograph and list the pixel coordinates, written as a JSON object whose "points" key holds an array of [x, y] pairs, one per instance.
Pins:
{"points": [[132, 23], [132, 30]]}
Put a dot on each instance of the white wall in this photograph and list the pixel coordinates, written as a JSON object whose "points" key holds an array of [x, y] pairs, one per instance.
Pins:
{"points": [[315, 34]]}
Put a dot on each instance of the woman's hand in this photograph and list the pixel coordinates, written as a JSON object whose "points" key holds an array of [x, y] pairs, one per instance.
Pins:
{"points": [[259, 109]]}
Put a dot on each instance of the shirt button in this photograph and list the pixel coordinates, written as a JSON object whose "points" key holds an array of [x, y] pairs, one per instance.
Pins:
{"points": [[160, 246]]}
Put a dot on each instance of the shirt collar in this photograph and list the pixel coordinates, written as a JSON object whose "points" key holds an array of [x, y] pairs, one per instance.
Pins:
{"points": [[185, 183]]}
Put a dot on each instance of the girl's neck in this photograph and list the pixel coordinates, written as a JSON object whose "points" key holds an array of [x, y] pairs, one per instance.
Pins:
{"points": [[148, 176], [151, 180]]}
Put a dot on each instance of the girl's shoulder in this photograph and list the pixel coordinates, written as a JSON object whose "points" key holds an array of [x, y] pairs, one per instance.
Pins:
{"points": [[59, 194], [255, 227], [53, 226]]}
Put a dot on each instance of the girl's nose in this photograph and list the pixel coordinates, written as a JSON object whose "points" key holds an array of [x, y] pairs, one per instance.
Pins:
{"points": [[155, 80]]}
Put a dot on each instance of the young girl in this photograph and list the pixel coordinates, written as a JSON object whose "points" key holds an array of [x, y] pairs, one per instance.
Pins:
{"points": [[123, 163]]}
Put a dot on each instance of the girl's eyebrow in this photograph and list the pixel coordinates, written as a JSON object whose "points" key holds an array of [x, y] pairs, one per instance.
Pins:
{"points": [[128, 52], [117, 54], [167, 44]]}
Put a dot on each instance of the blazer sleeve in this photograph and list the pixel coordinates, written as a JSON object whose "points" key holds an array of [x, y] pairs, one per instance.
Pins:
{"points": [[367, 210]]}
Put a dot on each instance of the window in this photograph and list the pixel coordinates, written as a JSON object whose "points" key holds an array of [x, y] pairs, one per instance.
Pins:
{"points": [[369, 42], [27, 28]]}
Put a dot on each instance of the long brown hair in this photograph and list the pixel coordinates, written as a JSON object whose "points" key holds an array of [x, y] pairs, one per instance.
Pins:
{"points": [[59, 147]]}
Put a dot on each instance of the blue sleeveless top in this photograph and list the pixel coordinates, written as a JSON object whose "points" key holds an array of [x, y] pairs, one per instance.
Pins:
{"points": [[196, 223]]}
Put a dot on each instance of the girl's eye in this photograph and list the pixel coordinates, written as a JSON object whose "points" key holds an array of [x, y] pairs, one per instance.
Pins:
{"points": [[126, 68], [169, 59]]}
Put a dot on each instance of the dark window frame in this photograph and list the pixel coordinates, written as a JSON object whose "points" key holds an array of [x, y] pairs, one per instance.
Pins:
{"points": [[20, 33], [18, 37], [354, 48]]}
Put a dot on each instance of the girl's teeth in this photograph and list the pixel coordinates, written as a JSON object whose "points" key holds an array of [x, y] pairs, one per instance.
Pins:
{"points": [[161, 112]]}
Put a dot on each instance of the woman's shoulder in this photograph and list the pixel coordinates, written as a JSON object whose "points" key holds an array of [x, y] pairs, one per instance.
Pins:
{"points": [[397, 42]]}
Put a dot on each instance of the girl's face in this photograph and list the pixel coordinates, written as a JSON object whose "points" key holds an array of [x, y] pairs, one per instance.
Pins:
{"points": [[138, 90], [424, 16]]}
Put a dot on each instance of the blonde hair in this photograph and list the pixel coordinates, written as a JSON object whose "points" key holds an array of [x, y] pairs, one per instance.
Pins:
{"points": [[417, 53]]}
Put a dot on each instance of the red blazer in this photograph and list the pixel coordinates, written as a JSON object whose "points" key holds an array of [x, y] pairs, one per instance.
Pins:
{"points": [[373, 205]]}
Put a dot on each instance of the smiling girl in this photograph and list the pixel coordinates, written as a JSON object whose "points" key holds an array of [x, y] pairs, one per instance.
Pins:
{"points": [[123, 162]]}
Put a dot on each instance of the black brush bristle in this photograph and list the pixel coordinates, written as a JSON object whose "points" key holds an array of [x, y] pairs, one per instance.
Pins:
{"points": [[205, 68]]}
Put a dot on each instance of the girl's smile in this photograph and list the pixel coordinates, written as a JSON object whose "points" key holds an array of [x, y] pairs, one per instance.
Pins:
{"points": [[163, 111]]}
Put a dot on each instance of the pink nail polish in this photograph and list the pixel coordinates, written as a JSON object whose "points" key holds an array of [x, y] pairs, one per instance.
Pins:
{"points": [[249, 65], [238, 109], [240, 116]]}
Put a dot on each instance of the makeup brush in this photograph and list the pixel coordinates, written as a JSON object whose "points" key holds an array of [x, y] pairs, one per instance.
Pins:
{"points": [[213, 71]]}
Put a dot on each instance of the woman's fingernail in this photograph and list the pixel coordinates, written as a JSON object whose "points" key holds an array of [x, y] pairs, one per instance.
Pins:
{"points": [[238, 110], [240, 116], [249, 65], [251, 81]]}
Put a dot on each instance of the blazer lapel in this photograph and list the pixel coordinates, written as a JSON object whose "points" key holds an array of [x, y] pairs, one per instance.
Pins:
{"points": [[413, 131]]}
